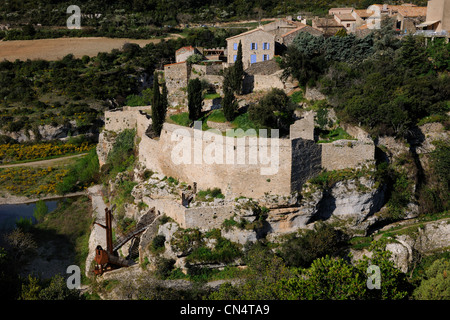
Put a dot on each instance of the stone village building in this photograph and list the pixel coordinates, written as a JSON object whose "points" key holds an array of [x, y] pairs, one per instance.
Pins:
{"points": [[258, 45], [262, 43], [437, 18]]}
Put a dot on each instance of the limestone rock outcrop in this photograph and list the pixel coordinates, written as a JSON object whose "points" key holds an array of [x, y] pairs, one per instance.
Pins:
{"points": [[352, 201]]}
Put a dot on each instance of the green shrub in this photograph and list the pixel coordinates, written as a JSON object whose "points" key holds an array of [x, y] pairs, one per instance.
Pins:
{"points": [[302, 250], [121, 157], [85, 172], [157, 244], [163, 267], [209, 195]]}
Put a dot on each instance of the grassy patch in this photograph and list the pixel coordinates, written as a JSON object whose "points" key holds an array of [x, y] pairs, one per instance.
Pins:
{"points": [[217, 116], [442, 118], [210, 96], [243, 122], [327, 179], [327, 136], [181, 119], [359, 243]]}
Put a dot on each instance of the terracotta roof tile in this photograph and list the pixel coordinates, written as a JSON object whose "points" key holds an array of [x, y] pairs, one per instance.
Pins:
{"points": [[249, 32]]}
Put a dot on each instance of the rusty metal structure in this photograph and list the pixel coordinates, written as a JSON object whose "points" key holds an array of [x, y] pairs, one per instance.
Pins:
{"points": [[108, 259]]}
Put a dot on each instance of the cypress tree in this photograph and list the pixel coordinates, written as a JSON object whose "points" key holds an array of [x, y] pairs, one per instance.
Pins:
{"points": [[156, 107], [238, 71], [194, 99]]}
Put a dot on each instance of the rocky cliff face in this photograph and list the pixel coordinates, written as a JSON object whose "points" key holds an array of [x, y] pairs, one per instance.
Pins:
{"points": [[417, 239], [106, 141], [350, 203], [49, 132]]}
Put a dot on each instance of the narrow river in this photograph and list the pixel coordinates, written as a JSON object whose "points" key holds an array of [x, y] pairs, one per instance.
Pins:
{"points": [[10, 213]]}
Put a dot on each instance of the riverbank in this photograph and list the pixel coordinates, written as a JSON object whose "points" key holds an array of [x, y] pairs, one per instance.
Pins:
{"points": [[12, 199]]}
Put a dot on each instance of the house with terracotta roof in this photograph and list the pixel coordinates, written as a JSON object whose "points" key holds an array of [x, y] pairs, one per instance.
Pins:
{"points": [[407, 15], [287, 38], [257, 45], [334, 11], [328, 26], [437, 21], [285, 30], [185, 52], [347, 20], [262, 43]]}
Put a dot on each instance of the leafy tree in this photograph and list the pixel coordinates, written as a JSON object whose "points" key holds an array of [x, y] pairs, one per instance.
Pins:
{"points": [[195, 58], [436, 284], [57, 290], [121, 155], [31, 289], [394, 284], [275, 110], [302, 250], [327, 279], [83, 173], [413, 56], [439, 53], [195, 99]]}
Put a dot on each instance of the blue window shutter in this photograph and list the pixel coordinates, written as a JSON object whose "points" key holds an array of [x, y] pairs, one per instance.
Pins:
{"points": [[235, 46], [256, 46], [253, 58], [268, 46], [235, 58]]}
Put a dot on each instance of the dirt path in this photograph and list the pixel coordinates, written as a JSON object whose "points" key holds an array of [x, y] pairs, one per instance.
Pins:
{"points": [[42, 163], [406, 224], [54, 49]]}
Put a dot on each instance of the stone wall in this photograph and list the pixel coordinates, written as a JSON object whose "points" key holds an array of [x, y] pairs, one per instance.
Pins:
{"points": [[119, 120], [206, 69], [306, 162], [343, 154], [247, 166], [262, 82], [176, 76], [175, 154], [303, 128], [207, 218], [168, 207]]}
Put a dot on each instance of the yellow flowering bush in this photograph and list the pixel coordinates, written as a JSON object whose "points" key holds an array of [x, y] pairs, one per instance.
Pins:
{"points": [[31, 181], [20, 152]]}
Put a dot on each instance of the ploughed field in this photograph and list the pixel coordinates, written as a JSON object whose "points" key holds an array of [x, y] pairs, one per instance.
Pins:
{"points": [[54, 49]]}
